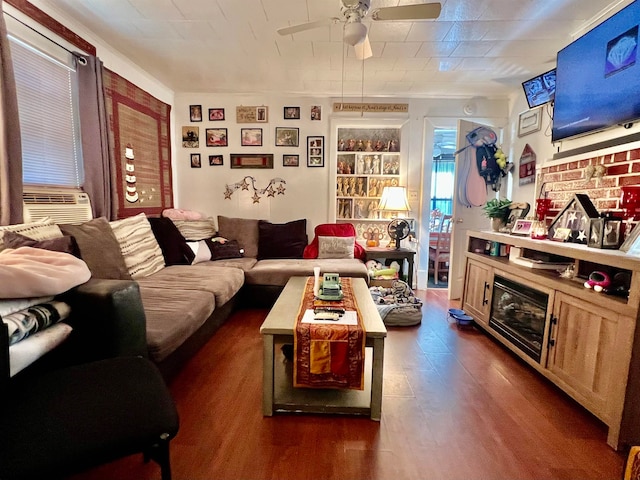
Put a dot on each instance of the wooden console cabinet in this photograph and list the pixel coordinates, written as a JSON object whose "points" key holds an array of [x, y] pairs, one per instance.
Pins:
{"points": [[591, 345]]}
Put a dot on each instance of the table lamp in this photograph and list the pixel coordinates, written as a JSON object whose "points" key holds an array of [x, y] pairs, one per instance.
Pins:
{"points": [[394, 201]]}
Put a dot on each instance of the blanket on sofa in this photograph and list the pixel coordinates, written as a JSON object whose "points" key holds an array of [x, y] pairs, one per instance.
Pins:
{"points": [[329, 356]]}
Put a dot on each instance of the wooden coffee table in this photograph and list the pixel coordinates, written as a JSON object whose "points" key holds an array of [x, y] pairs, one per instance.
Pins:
{"points": [[279, 394]]}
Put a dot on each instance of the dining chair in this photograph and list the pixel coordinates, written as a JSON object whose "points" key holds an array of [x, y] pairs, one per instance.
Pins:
{"points": [[440, 251]]}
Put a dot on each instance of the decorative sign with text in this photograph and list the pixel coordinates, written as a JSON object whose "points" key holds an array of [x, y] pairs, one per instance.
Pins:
{"points": [[527, 165], [371, 107], [252, 114]]}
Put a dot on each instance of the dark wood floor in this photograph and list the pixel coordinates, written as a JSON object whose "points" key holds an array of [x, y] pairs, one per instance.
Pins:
{"points": [[456, 406]]}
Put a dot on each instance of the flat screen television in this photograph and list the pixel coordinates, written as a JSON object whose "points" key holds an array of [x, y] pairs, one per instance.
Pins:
{"points": [[598, 77], [541, 89]]}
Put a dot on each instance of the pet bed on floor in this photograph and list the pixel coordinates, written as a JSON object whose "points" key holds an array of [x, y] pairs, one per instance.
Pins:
{"points": [[397, 306]]}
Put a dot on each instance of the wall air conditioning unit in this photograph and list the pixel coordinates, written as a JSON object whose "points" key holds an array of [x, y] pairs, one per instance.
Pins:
{"points": [[62, 206]]}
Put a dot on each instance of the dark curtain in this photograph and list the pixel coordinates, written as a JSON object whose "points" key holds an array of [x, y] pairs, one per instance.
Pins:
{"points": [[94, 131], [10, 143]]}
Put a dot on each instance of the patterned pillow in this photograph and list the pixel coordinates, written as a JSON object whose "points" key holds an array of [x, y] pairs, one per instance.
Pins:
{"points": [[34, 319], [41, 230], [140, 249], [194, 230], [335, 247]]}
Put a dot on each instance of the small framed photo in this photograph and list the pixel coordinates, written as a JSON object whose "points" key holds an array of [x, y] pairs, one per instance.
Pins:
{"points": [[315, 151], [195, 113], [216, 114], [631, 244], [561, 234], [251, 137], [287, 137], [292, 113], [195, 160], [316, 112], [215, 160], [262, 114], [522, 227], [217, 137], [530, 122], [291, 160], [190, 137]]}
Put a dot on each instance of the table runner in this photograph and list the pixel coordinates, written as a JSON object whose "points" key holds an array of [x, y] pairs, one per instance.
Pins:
{"points": [[328, 356]]}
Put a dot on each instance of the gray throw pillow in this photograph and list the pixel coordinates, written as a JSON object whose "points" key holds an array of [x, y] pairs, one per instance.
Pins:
{"points": [[244, 230], [99, 249]]}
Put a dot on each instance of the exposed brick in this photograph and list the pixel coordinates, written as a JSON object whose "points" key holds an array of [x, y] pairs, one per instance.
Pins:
{"points": [[634, 154], [572, 175], [635, 167], [618, 169], [608, 158], [584, 163], [621, 156], [609, 182], [553, 169], [632, 180], [544, 170], [572, 166], [605, 205]]}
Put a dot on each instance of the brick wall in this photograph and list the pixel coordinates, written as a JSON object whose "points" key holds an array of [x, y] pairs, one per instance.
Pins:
{"points": [[564, 180]]}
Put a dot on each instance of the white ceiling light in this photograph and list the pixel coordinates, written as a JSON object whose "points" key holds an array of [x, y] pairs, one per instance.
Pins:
{"points": [[354, 33]]}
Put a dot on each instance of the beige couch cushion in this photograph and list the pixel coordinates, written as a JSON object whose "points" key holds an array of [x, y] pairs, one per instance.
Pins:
{"points": [[245, 264], [278, 272], [173, 316], [223, 282]]}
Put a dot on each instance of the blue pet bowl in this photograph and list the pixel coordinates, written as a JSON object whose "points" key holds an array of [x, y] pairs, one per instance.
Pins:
{"points": [[463, 320], [455, 311]]}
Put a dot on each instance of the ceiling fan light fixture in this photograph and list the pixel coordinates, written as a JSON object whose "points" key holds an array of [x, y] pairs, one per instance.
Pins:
{"points": [[354, 33]]}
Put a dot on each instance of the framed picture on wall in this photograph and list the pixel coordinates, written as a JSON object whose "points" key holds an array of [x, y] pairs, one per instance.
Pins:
{"points": [[251, 137], [287, 137], [217, 137], [216, 114], [215, 160], [195, 113], [290, 160], [315, 151], [530, 122], [195, 160], [292, 113]]}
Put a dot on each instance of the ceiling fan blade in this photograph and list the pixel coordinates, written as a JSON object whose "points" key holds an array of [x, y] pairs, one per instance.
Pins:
{"points": [[363, 49], [419, 11], [307, 26]]}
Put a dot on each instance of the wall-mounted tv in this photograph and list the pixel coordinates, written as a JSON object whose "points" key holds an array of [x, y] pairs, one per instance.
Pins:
{"points": [[598, 77], [541, 89]]}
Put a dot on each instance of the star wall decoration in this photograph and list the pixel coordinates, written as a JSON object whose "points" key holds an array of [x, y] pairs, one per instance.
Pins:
{"points": [[258, 193]]}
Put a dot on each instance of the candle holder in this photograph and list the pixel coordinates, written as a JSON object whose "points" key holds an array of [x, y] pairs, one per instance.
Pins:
{"points": [[543, 205], [539, 230]]}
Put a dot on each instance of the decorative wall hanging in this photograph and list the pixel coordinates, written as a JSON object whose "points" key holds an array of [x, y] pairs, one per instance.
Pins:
{"points": [[215, 160], [195, 160], [527, 165], [251, 137], [275, 186], [316, 112], [252, 114], [139, 119], [290, 160], [530, 122], [573, 222], [131, 194], [371, 107], [252, 160]]}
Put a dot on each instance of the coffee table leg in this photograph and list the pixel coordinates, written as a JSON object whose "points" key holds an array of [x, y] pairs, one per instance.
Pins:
{"points": [[267, 375], [376, 378]]}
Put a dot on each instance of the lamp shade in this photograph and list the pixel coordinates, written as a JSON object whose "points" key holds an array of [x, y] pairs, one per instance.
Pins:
{"points": [[394, 199], [354, 33]]}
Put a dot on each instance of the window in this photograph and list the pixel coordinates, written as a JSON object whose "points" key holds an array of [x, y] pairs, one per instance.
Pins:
{"points": [[49, 120], [442, 180]]}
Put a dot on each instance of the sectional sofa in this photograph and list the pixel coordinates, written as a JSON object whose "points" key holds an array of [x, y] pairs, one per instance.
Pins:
{"points": [[190, 282]]}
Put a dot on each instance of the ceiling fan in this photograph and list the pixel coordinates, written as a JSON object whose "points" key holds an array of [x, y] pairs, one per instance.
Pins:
{"points": [[355, 32]]}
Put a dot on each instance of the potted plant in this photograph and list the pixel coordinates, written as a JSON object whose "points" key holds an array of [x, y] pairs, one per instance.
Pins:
{"points": [[498, 211]]}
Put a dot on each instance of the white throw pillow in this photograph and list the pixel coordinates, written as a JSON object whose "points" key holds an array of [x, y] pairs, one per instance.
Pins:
{"points": [[201, 251], [43, 229], [139, 247], [336, 247]]}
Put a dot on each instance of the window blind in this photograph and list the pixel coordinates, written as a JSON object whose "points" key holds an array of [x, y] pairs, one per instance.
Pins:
{"points": [[47, 101]]}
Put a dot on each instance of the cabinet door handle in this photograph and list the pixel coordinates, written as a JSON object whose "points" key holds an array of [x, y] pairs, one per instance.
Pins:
{"points": [[553, 320], [484, 294]]}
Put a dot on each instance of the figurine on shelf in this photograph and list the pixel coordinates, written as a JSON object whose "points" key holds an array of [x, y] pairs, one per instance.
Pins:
{"points": [[360, 188], [367, 165], [360, 162], [375, 166], [352, 187], [339, 191], [373, 189]]}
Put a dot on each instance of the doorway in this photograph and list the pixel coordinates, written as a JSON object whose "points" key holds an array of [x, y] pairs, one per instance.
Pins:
{"points": [[441, 206]]}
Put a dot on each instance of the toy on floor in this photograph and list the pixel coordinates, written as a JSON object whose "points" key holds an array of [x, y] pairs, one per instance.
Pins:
{"points": [[397, 306], [379, 271]]}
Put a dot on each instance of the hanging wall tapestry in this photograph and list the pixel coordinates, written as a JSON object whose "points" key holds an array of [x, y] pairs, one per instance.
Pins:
{"points": [[141, 122]]}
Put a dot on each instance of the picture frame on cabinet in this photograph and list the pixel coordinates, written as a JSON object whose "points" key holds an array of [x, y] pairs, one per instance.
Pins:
{"points": [[195, 113], [216, 137], [216, 114], [631, 244], [522, 227], [251, 137], [287, 137], [290, 160], [216, 160], [292, 113], [315, 151], [196, 160]]}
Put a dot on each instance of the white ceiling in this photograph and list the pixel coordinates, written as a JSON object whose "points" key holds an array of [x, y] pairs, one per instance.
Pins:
{"points": [[475, 48]]}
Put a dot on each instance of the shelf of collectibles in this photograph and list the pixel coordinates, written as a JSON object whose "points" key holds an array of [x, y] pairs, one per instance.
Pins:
{"points": [[368, 159]]}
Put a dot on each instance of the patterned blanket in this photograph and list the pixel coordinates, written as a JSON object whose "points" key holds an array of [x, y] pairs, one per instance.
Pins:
{"points": [[329, 356]]}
